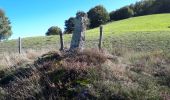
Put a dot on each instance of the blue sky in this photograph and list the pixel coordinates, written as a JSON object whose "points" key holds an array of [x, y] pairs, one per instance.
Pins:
{"points": [[34, 17]]}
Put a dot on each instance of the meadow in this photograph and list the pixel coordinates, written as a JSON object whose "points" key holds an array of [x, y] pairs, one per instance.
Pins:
{"points": [[139, 33]]}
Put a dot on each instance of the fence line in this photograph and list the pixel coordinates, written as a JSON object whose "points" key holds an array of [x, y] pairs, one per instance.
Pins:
{"points": [[62, 41]]}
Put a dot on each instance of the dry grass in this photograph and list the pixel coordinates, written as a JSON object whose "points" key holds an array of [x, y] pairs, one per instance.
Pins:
{"points": [[88, 74], [49, 79], [84, 59], [9, 60]]}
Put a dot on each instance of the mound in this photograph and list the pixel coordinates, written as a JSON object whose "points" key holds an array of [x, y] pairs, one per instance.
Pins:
{"points": [[54, 75]]}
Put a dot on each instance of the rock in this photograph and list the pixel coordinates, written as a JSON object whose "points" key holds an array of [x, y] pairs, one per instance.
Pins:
{"points": [[78, 37]]}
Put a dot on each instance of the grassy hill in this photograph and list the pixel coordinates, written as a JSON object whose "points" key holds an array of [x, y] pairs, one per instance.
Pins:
{"points": [[144, 33], [139, 33], [157, 22], [135, 68]]}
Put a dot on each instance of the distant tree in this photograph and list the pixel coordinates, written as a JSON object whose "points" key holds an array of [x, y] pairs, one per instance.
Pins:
{"points": [[161, 6], [97, 16], [112, 15], [69, 25], [137, 8], [5, 28], [165, 6], [121, 13], [54, 30], [143, 7]]}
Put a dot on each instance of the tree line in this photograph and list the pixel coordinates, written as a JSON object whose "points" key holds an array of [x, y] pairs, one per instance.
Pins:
{"points": [[98, 15]]}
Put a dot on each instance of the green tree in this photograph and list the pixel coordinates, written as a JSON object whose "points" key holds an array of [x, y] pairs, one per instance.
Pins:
{"points": [[161, 6], [69, 25], [97, 16], [143, 7], [122, 13], [54, 30], [5, 28]]}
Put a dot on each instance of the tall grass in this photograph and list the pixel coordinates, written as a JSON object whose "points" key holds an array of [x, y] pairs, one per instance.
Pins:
{"points": [[9, 60], [88, 74]]}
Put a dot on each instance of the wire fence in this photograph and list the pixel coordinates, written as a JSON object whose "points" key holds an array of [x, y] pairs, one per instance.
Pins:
{"points": [[53, 42], [110, 41]]}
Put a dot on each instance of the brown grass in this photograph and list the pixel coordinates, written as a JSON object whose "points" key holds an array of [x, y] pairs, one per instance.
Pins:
{"points": [[9, 60], [84, 59], [57, 75]]}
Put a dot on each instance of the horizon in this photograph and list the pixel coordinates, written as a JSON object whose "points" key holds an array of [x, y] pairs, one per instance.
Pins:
{"points": [[33, 18]]}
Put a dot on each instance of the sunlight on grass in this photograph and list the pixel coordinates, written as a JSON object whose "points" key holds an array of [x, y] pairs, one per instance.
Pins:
{"points": [[139, 33]]}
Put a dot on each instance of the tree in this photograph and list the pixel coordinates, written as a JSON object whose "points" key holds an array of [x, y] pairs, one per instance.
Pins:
{"points": [[98, 15], [161, 6], [69, 25], [143, 7], [5, 28], [112, 15], [122, 13], [165, 6], [54, 30]]}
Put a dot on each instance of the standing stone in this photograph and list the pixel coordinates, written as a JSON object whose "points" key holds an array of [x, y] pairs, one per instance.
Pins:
{"points": [[78, 38]]}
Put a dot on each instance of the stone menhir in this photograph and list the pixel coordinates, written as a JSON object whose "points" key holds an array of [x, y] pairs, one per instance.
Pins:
{"points": [[78, 38]]}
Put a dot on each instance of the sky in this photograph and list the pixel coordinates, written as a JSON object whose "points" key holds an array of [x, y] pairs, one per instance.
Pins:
{"points": [[33, 17]]}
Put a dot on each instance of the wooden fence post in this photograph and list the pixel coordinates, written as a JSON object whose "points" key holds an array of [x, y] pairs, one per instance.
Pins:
{"points": [[61, 41], [19, 45], [101, 37]]}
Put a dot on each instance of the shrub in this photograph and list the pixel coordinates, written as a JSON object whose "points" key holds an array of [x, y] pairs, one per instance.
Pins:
{"points": [[121, 13], [69, 25], [54, 30], [98, 15]]}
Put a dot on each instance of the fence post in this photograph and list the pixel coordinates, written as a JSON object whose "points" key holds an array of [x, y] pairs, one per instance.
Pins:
{"points": [[101, 37], [61, 41], [19, 45]]}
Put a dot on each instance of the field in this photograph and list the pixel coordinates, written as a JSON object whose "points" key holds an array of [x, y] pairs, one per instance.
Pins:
{"points": [[139, 33], [134, 64]]}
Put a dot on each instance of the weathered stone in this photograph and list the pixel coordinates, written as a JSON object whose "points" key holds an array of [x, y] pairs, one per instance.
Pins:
{"points": [[78, 38]]}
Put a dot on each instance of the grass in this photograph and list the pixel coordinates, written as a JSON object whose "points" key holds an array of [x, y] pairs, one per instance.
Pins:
{"points": [[137, 67], [151, 23], [89, 74], [139, 33]]}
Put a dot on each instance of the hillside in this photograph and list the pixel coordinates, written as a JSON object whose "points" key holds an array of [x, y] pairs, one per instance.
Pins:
{"points": [[157, 22], [134, 64], [139, 33]]}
